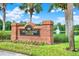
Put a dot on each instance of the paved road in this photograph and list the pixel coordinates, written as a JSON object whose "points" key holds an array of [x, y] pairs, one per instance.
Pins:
{"points": [[8, 53]]}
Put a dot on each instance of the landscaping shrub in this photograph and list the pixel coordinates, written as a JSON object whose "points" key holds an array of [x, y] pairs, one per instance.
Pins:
{"points": [[76, 32], [31, 42], [5, 35], [60, 38]]}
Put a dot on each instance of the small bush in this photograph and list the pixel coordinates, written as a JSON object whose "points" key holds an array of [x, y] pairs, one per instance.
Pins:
{"points": [[60, 38], [5, 35], [76, 33], [31, 42]]}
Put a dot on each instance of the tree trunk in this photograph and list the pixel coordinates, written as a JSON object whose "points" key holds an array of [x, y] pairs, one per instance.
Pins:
{"points": [[70, 26], [30, 17], [66, 23], [4, 15]]}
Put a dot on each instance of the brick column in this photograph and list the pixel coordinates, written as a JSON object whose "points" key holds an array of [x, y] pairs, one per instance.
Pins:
{"points": [[47, 30], [14, 31]]}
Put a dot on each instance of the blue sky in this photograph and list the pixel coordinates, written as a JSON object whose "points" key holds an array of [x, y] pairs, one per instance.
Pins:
{"points": [[57, 16]]}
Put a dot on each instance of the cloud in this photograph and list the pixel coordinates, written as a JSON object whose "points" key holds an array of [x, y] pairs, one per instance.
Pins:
{"points": [[74, 13], [59, 9], [25, 20], [52, 11], [35, 17], [15, 14], [76, 19], [62, 20], [62, 10], [56, 10], [33, 13], [73, 7], [1, 17]]}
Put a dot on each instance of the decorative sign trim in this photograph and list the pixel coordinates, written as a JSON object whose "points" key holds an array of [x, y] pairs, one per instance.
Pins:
{"points": [[29, 31]]}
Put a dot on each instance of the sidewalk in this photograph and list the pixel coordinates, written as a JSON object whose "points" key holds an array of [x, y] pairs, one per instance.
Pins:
{"points": [[8, 53]]}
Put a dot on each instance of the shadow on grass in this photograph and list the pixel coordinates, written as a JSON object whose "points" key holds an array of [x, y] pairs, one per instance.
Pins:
{"points": [[76, 49]]}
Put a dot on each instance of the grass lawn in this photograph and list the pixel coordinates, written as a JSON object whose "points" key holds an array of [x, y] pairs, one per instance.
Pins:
{"points": [[6, 31], [40, 50]]}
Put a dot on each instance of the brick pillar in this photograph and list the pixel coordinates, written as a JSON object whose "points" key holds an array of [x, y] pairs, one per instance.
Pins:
{"points": [[14, 31], [47, 32]]}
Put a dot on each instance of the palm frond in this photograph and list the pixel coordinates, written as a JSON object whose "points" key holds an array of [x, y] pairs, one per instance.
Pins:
{"points": [[38, 8], [57, 5], [23, 6], [76, 5]]}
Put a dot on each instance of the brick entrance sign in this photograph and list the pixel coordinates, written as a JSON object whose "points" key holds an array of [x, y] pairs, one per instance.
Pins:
{"points": [[32, 32]]}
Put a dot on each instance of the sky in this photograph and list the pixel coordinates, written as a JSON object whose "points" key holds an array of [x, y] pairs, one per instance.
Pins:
{"points": [[13, 13]]}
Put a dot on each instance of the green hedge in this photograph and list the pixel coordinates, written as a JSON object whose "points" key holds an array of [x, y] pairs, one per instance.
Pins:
{"points": [[60, 38], [5, 35]]}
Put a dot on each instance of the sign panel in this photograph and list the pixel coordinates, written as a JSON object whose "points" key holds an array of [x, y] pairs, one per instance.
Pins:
{"points": [[29, 31]]}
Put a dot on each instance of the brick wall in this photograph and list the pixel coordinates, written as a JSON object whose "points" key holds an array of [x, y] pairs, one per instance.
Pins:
{"points": [[45, 33]]}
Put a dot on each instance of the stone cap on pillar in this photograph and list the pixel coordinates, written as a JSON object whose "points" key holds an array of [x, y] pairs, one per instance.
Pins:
{"points": [[47, 22]]}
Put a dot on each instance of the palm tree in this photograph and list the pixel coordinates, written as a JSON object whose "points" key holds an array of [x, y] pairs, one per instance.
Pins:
{"points": [[3, 8], [68, 20], [31, 7], [70, 26], [63, 6]]}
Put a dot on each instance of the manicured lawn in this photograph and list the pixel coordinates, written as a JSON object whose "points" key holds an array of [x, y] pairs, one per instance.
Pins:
{"points": [[6, 31], [41, 50]]}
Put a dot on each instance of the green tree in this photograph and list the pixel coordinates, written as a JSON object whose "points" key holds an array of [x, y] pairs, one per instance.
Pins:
{"points": [[3, 8], [0, 24], [22, 22], [8, 25], [61, 27], [76, 27], [68, 20], [31, 7]]}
